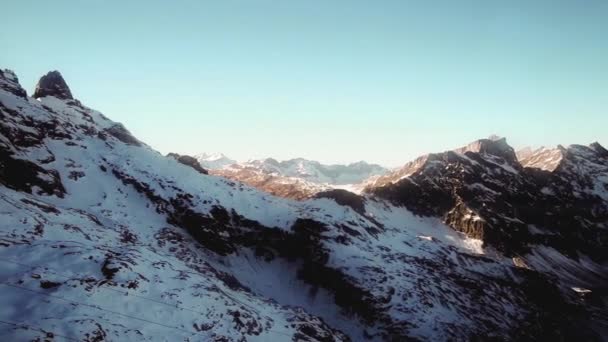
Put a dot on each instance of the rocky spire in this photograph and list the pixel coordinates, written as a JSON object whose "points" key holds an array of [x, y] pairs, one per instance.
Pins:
{"points": [[53, 84], [599, 149]]}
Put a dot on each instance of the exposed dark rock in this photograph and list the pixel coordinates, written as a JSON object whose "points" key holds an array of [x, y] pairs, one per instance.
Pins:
{"points": [[208, 231], [142, 188], [53, 84], [10, 83], [601, 151], [230, 281], [46, 284], [75, 175], [309, 331], [44, 207], [121, 133], [12, 120], [189, 161], [483, 191], [346, 198], [107, 269], [245, 323], [220, 214], [127, 236], [23, 175], [305, 244]]}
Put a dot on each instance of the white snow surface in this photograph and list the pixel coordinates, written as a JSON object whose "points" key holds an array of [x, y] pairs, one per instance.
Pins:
{"points": [[214, 160]]}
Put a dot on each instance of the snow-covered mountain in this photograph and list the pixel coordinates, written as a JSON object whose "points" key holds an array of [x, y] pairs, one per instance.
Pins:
{"points": [[214, 160], [104, 239], [315, 172], [543, 158], [272, 183], [484, 191], [296, 178]]}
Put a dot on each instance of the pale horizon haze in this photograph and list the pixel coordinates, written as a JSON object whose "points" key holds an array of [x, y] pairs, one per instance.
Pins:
{"points": [[333, 81]]}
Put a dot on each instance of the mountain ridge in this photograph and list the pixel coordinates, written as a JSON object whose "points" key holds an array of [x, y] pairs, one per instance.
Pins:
{"points": [[296, 178], [82, 195]]}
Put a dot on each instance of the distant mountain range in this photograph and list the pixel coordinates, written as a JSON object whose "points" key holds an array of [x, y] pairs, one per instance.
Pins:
{"points": [[103, 238], [295, 178], [214, 160]]}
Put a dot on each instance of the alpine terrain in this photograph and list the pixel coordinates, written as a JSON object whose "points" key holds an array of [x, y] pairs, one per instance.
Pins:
{"points": [[103, 238], [294, 178]]}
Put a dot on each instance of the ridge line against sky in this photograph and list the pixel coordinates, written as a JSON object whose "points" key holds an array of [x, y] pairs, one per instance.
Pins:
{"points": [[334, 81]]}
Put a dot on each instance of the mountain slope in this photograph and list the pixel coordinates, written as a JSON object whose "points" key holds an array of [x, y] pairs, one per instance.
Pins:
{"points": [[484, 191], [270, 182], [103, 238], [525, 211]]}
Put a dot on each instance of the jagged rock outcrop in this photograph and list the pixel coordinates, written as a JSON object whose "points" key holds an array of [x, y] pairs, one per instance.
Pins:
{"points": [[599, 149], [119, 132], [485, 192], [24, 175], [53, 84], [11, 83], [189, 161], [495, 146], [346, 198]]}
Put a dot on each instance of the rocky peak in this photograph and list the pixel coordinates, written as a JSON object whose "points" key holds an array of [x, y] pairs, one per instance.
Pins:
{"points": [[213, 160], [10, 83], [53, 84], [493, 146], [599, 149], [592, 152], [561, 190], [9, 75], [549, 159], [490, 148]]}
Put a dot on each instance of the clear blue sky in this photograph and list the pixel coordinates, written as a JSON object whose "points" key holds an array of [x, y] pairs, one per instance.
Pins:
{"points": [[332, 80]]}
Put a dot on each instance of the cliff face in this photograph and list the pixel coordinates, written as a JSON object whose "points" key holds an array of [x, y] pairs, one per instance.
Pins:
{"points": [[485, 192]]}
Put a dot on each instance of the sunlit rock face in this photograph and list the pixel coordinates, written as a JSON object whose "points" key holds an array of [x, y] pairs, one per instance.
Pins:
{"points": [[556, 197]]}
